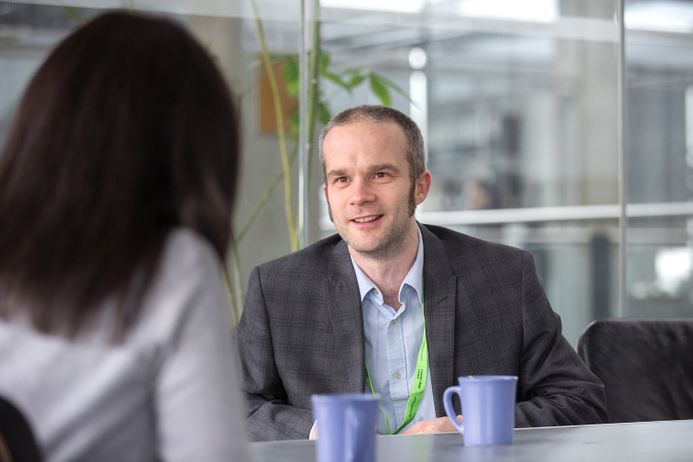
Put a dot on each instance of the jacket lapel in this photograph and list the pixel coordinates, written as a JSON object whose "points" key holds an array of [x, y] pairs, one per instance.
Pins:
{"points": [[347, 317], [440, 287]]}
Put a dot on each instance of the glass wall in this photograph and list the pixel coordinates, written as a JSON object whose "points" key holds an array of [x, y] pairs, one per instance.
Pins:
{"points": [[537, 136], [519, 106], [659, 163]]}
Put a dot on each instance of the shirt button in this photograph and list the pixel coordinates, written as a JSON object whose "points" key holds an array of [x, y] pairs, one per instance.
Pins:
{"points": [[397, 375]]}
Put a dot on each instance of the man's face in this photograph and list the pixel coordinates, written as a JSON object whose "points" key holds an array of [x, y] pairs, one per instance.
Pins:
{"points": [[368, 186]]}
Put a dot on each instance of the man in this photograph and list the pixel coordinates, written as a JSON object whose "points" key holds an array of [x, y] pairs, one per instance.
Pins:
{"points": [[349, 313]]}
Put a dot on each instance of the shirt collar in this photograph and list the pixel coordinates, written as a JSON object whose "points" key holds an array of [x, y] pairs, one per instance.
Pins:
{"points": [[413, 279]]}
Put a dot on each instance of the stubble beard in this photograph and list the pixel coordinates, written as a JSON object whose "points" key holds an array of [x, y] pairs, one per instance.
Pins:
{"points": [[394, 238]]}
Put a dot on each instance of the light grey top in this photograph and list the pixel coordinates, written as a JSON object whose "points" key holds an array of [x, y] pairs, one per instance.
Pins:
{"points": [[633, 442], [168, 392]]}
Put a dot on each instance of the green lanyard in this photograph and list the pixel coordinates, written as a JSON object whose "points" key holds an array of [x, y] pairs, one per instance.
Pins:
{"points": [[419, 382]]}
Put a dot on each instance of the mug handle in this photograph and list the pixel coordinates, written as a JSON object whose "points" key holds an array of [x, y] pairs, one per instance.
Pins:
{"points": [[449, 410]]}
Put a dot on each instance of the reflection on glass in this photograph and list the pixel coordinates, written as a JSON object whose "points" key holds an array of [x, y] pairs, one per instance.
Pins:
{"points": [[518, 104], [659, 130], [527, 10]]}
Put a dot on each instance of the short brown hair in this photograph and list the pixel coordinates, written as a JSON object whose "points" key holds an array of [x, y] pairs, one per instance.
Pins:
{"points": [[416, 156]]}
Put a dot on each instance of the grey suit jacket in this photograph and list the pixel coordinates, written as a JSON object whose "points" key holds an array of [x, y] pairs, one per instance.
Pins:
{"points": [[301, 333]]}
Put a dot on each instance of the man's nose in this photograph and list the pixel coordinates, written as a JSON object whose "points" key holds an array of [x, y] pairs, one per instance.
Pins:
{"points": [[361, 192]]}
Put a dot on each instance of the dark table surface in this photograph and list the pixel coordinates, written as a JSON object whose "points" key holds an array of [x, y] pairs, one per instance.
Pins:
{"points": [[631, 442]]}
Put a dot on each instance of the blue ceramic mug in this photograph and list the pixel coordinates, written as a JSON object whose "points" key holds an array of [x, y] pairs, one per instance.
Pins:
{"points": [[488, 407], [346, 427]]}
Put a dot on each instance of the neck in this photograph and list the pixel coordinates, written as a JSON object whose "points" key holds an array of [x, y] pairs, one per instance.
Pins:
{"points": [[387, 273]]}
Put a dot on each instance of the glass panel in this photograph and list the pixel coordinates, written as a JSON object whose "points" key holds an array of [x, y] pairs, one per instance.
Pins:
{"points": [[518, 105], [230, 33], [659, 142]]}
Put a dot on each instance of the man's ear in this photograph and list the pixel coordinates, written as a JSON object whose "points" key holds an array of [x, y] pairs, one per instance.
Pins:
{"points": [[423, 185]]}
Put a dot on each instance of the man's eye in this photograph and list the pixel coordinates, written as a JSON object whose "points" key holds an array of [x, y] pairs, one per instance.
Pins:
{"points": [[341, 179], [380, 175]]}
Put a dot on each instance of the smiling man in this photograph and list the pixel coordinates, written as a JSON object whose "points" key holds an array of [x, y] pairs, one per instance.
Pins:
{"points": [[397, 308]]}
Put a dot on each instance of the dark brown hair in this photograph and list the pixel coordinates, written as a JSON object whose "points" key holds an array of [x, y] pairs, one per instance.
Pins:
{"points": [[125, 132], [416, 156]]}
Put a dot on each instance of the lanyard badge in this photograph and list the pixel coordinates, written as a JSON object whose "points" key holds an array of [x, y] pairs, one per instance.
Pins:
{"points": [[419, 383]]}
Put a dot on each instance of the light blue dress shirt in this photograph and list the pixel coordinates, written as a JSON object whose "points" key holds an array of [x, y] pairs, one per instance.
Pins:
{"points": [[392, 342]]}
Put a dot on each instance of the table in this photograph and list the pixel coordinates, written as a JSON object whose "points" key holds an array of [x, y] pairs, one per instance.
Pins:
{"points": [[628, 442]]}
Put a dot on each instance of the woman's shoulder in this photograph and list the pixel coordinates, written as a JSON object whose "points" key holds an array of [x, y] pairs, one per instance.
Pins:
{"points": [[185, 246], [188, 286]]}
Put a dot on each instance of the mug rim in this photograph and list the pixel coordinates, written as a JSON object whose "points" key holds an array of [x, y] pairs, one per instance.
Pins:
{"points": [[350, 397], [487, 377]]}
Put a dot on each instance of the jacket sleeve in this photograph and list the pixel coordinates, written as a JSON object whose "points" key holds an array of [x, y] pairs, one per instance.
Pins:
{"points": [[555, 387], [270, 414]]}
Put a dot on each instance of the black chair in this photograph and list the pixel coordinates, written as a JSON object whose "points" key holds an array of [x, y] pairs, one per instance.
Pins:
{"points": [[17, 442], [646, 366]]}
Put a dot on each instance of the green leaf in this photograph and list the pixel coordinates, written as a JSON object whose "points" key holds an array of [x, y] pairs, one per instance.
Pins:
{"points": [[380, 90], [334, 78], [324, 60], [356, 77], [290, 68], [294, 123], [291, 75], [390, 84], [323, 113]]}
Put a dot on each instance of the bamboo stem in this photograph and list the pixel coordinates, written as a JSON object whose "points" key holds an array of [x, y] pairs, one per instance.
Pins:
{"points": [[279, 117], [260, 204], [313, 88]]}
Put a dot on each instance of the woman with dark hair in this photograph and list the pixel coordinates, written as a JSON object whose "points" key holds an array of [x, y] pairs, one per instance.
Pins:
{"points": [[116, 191]]}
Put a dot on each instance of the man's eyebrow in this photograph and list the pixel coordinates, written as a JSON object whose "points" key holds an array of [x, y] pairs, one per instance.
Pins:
{"points": [[336, 172], [374, 168], [390, 167]]}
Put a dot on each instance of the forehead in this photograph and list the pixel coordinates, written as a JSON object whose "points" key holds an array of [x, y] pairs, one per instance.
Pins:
{"points": [[364, 142]]}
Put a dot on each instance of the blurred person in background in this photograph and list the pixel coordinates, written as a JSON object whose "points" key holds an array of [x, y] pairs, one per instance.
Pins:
{"points": [[117, 185]]}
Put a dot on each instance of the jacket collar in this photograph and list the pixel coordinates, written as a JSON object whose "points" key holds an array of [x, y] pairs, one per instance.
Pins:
{"points": [[440, 287]]}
